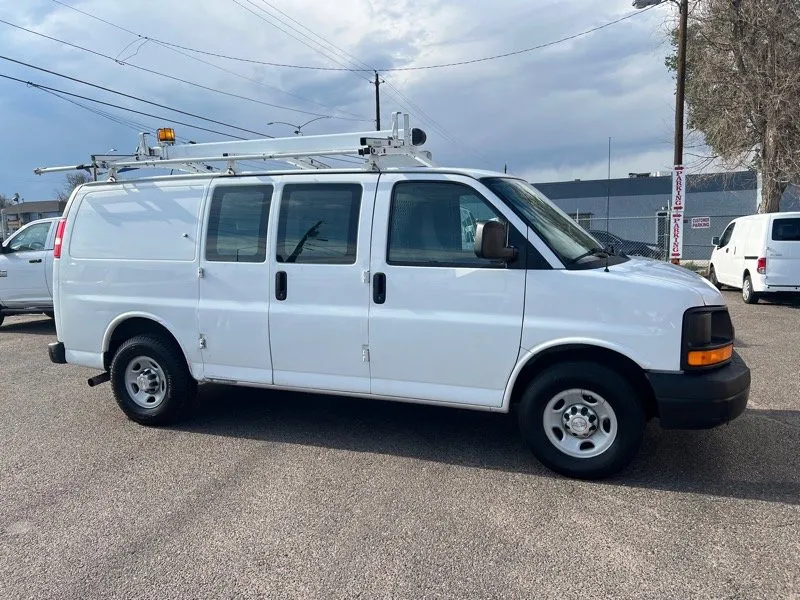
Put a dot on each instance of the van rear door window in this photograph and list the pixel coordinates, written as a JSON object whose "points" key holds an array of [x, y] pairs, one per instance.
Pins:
{"points": [[786, 230], [237, 225]]}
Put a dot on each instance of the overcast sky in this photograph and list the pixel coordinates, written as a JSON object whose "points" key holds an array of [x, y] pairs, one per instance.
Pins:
{"points": [[548, 114]]}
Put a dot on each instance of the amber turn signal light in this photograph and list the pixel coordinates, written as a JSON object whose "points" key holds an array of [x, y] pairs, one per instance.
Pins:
{"points": [[706, 358]]}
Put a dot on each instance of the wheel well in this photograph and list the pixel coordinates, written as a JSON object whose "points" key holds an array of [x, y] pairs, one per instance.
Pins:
{"points": [[746, 274], [574, 352], [138, 326]]}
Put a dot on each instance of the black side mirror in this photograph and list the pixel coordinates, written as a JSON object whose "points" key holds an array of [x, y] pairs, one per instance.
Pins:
{"points": [[715, 241], [4, 249], [490, 242]]}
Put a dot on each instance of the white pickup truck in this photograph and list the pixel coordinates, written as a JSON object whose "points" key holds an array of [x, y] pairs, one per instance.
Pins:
{"points": [[26, 270]]}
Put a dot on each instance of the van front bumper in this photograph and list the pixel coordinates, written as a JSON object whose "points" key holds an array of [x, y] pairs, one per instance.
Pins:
{"points": [[702, 400]]}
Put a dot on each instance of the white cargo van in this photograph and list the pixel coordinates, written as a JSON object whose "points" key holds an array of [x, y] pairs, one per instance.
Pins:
{"points": [[758, 254], [365, 282]]}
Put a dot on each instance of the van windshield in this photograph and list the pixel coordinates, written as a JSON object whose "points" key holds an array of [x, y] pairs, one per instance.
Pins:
{"points": [[562, 235]]}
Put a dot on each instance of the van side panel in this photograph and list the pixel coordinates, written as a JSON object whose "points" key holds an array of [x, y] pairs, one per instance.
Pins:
{"points": [[130, 249]]}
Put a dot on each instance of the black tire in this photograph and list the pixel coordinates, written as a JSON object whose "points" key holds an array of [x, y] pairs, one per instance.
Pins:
{"points": [[50, 315], [748, 295], [618, 393], [2, 318], [712, 277], [179, 388]]}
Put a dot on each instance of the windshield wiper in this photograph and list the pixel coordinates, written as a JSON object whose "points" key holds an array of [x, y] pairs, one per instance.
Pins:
{"points": [[599, 252]]}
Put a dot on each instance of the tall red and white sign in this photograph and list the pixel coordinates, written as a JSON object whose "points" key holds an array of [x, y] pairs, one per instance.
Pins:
{"points": [[676, 215]]}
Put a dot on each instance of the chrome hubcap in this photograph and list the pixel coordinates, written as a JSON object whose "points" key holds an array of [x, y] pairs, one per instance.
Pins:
{"points": [[580, 423], [145, 382]]}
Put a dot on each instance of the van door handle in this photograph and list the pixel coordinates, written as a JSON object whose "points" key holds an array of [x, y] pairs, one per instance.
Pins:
{"points": [[35, 260], [280, 285], [379, 288]]}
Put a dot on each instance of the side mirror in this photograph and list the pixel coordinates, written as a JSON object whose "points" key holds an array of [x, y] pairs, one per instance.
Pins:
{"points": [[4, 249], [490, 242], [715, 241]]}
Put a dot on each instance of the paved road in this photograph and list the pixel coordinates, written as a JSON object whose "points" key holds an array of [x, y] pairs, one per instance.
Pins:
{"points": [[288, 496]]}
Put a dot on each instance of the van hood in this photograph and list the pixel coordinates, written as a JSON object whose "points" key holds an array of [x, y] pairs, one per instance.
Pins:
{"points": [[665, 273]]}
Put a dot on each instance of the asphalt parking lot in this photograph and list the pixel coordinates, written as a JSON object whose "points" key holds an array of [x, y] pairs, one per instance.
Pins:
{"points": [[266, 495]]}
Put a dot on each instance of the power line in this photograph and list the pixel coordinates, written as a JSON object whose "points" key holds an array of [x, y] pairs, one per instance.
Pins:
{"points": [[279, 28], [138, 127], [173, 78], [124, 95], [389, 69], [131, 110], [340, 51]]}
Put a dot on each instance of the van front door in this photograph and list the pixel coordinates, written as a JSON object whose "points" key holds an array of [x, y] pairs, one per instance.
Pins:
{"points": [[320, 291], [444, 325], [723, 258], [233, 313]]}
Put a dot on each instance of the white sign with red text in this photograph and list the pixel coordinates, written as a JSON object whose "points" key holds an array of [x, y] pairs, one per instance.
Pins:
{"points": [[676, 215]]}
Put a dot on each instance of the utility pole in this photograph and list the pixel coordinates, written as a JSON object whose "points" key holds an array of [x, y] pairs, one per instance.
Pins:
{"points": [[377, 102], [680, 98], [678, 207]]}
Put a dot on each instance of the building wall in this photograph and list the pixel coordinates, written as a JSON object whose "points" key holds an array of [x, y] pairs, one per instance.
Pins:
{"points": [[636, 209]]}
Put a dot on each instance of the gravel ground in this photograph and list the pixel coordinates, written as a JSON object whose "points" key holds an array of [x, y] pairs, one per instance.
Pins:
{"points": [[274, 495]]}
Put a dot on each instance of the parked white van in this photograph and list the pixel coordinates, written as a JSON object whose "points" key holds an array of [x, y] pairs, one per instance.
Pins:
{"points": [[758, 254], [364, 282]]}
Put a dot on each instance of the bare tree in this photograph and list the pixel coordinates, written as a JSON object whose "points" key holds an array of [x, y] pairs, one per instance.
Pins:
{"points": [[4, 201], [71, 181], [743, 87]]}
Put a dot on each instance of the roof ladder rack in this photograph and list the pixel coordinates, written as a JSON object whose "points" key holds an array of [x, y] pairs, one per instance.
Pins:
{"points": [[394, 148]]}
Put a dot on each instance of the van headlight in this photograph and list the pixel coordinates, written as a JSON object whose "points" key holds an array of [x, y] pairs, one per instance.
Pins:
{"points": [[707, 339]]}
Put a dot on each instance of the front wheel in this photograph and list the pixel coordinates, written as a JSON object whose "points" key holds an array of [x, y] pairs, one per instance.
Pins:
{"points": [[582, 420], [748, 295], [151, 381]]}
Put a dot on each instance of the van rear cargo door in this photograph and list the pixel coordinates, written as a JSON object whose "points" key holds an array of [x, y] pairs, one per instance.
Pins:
{"points": [[783, 252]]}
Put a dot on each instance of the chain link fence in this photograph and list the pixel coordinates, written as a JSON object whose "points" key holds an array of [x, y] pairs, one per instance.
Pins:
{"points": [[649, 236]]}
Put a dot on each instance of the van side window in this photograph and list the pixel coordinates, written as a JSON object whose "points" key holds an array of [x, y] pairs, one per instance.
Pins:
{"points": [[726, 237], [433, 223], [318, 223], [786, 230], [237, 225]]}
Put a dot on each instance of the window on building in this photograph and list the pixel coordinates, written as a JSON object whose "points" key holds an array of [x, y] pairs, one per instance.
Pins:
{"points": [[318, 223]]}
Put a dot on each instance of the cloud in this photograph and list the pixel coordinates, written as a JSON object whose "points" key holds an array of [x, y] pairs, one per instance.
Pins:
{"points": [[550, 111]]}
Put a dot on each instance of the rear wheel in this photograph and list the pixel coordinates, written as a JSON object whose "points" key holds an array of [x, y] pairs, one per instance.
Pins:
{"points": [[582, 420], [2, 318], [712, 277], [151, 381], [748, 295]]}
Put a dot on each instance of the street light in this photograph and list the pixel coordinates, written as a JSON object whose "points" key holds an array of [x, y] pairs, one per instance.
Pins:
{"points": [[297, 128], [678, 177]]}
